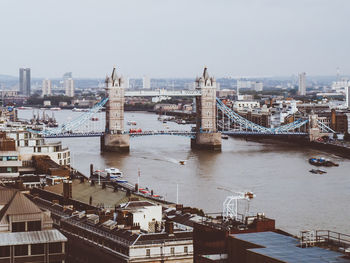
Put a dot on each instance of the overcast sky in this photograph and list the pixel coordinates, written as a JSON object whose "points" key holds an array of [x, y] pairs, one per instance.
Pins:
{"points": [[175, 38]]}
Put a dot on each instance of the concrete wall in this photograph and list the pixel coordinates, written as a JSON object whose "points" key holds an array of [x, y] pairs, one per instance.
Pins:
{"points": [[115, 142], [210, 141]]}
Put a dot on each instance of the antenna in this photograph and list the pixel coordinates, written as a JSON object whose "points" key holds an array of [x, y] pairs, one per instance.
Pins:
{"points": [[177, 194], [138, 179]]}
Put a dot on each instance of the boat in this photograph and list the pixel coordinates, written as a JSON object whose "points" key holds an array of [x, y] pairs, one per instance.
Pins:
{"points": [[322, 162], [135, 130], [120, 181], [224, 136], [182, 162], [80, 110], [24, 108], [114, 174], [55, 109], [317, 171], [132, 123]]}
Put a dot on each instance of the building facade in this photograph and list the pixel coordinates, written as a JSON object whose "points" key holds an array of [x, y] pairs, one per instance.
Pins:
{"points": [[24, 81], [29, 144], [69, 87], [302, 84], [146, 82], [46, 87]]}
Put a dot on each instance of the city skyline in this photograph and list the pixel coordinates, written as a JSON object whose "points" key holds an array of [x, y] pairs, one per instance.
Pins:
{"points": [[164, 39]]}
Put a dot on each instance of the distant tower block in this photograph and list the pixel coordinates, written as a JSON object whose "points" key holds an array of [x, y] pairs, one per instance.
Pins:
{"points": [[114, 140], [207, 136]]}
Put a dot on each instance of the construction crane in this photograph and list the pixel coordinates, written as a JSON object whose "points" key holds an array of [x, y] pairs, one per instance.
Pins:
{"points": [[231, 204]]}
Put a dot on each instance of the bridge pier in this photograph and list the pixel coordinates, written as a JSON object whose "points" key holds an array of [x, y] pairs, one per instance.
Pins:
{"points": [[207, 141], [115, 142]]}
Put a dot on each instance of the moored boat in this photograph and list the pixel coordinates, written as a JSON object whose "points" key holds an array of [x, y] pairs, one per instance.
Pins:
{"points": [[318, 171], [224, 136], [322, 162]]}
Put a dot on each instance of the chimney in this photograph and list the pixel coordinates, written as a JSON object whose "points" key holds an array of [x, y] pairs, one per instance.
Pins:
{"points": [[91, 169], [67, 189], [169, 227]]}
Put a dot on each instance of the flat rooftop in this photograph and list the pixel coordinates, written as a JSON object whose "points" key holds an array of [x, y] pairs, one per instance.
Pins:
{"points": [[284, 248], [107, 196]]}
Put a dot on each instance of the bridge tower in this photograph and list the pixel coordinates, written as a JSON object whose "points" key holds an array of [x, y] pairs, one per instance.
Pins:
{"points": [[207, 136], [114, 139], [314, 130]]}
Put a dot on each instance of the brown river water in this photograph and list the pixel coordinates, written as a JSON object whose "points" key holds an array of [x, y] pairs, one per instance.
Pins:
{"points": [[278, 174]]}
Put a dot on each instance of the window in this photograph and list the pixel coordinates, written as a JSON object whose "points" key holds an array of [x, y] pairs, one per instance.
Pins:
{"points": [[172, 250], [4, 251], [148, 252], [59, 156], [55, 247], [37, 249], [18, 227], [39, 149], [21, 250], [186, 250], [34, 225]]}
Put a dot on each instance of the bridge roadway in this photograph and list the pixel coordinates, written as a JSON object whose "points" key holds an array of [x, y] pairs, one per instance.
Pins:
{"points": [[162, 92], [178, 133]]}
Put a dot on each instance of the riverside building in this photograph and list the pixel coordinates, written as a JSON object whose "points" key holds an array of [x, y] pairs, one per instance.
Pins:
{"points": [[29, 144]]}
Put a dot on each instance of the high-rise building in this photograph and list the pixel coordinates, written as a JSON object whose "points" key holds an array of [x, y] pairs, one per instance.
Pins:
{"points": [[127, 82], [146, 82], [302, 84], [24, 81], [348, 97], [46, 87], [67, 75], [69, 87]]}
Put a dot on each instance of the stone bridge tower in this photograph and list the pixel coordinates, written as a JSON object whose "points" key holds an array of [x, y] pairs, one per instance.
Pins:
{"points": [[114, 139], [207, 136]]}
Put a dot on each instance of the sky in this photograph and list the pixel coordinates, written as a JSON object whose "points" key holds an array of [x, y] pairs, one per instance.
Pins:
{"points": [[175, 38]]}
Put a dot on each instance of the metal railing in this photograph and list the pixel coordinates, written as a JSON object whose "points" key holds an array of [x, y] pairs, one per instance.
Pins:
{"points": [[333, 238]]}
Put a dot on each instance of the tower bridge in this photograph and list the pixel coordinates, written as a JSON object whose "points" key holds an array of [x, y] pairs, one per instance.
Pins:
{"points": [[115, 138], [209, 123]]}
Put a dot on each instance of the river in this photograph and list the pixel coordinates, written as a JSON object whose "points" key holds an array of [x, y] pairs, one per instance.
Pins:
{"points": [[277, 174]]}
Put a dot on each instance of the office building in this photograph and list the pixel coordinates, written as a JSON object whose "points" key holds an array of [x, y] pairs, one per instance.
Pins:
{"points": [[69, 87], [146, 82], [248, 84], [127, 82], [340, 86], [24, 81], [46, 87], [302, 84]]}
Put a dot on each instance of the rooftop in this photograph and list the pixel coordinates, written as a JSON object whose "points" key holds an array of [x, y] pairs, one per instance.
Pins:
{"points": [[13, 202], [33, 237], [285, 248]]}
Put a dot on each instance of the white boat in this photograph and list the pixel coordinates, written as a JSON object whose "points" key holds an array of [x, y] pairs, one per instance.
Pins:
{"points": [[114, 174], [55, 109], [132, 123]]}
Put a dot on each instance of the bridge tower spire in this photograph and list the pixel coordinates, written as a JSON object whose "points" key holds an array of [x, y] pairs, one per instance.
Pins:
{"points": [[207, 136], [114, 139]]}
